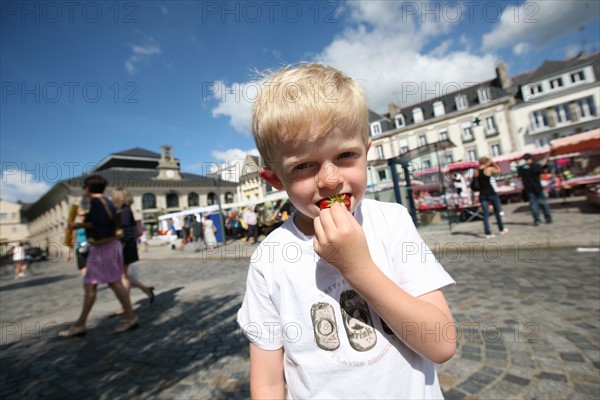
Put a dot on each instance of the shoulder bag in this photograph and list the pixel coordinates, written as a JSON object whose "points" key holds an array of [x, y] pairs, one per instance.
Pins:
{"points": [[117, 231]]}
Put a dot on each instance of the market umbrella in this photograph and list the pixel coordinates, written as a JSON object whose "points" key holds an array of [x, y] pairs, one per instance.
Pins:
{"points": [[587, 141]]}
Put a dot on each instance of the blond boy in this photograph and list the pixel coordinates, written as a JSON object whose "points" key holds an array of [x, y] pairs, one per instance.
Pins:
{"points": [[321, 286]]}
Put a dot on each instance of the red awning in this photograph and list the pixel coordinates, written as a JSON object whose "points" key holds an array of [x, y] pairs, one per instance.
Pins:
{"points": [[587, 141], [517, 155], [458, 166]]}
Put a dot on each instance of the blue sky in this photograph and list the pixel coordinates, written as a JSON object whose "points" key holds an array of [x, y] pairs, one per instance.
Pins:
{"points": [[81, 80]]}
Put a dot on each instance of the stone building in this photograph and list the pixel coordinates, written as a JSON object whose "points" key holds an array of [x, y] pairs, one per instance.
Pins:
{"points": [[155, 181], [12, 226], [495, 117]]}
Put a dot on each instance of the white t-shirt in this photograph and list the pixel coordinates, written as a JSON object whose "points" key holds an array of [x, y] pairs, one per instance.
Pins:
{"points": [[348, 354]]}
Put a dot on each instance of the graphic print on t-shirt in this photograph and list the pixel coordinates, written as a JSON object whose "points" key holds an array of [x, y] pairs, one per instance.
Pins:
{"points": [[324, 326], [357, 321]]}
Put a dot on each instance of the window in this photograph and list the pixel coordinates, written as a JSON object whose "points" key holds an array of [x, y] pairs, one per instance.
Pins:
{"points": [[562, 113], [382, 173], [461, 102], [467, 132], [417, 115], [586, 107], [3, 216], [399, 121], [403, 145], [380, 152], [538, 119], [448, 158], [426, 164], [496, 150], [556, 83], [484, 95], [211, 199], [228, 198], [193, 200], [472, 155], [490, 125], [172, 200], [422, 140], [148, 201], [532, 90], [577, 77], [375, 128], [443, 134], [438, 108]]}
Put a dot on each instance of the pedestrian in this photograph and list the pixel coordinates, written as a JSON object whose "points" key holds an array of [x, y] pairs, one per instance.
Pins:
{"points": [[80, 246], [176, 226], [488, 195], [122, 200], [529, 172], [105, 259], [251, 219], [196, 232], [340, 272], [144, 241], [209, 232], [459, 183], [19, 259]]}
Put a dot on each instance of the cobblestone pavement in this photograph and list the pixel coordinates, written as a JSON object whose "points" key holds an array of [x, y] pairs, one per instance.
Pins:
{"points": [[528, 320]]}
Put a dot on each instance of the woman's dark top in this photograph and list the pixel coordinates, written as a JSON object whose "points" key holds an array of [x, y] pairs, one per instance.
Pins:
{"points": [[485, 187], [102, 225]]}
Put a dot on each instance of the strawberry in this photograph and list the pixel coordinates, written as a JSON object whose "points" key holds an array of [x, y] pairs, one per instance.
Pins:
{"points": [[340, 198]]}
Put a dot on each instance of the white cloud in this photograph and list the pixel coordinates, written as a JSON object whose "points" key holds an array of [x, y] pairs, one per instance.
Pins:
{"points": [[235, 102], [141, 54], [521, 48], [164, 9], [18, 185], [539, 22], [384, 50], [233, 154]]}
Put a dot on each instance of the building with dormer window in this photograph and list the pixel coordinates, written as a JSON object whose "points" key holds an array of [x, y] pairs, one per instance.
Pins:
{"points": [[557, 99], [495, 117]]}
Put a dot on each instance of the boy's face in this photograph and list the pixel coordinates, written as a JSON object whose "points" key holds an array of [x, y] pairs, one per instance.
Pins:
{"points": [[310, 171]]}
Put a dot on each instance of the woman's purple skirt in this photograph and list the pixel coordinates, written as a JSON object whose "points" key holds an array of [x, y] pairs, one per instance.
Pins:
{"points": [[104, 263]]}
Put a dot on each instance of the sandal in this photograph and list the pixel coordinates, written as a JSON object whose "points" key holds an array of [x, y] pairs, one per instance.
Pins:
{"points": [[151, 295], [126, 325], [73, 330]]}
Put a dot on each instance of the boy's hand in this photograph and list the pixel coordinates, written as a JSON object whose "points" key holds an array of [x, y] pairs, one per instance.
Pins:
{"points": [[340, 240]]}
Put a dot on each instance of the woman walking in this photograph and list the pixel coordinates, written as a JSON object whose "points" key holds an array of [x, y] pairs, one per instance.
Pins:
{"points": [[105, 258], [122, 200], [488, 195]]}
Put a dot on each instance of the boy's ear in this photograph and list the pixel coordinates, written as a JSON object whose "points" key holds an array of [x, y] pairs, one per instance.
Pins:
{"points": [[269, 176]]}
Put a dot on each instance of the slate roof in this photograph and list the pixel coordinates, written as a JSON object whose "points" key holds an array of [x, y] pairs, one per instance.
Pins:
{"points": [[135, 176]]}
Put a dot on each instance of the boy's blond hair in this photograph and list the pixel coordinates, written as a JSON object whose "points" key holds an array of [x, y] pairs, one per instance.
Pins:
{"points": [[305, 103]]}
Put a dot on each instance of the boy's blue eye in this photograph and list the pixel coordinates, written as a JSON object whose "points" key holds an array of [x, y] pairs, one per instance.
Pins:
{"points": [[302, 166], [345, 155]]}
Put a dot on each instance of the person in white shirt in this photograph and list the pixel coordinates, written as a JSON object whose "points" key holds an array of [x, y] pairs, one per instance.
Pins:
{"points": [[251, 219], [346, 301]]}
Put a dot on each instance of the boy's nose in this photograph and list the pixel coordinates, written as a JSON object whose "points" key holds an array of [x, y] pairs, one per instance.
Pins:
{"points": [[330, 176]]}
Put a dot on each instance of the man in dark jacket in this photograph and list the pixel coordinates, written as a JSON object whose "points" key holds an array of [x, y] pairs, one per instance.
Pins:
{"points": [[530, 176]]}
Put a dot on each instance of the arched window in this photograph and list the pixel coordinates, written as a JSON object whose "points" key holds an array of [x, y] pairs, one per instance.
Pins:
{"points": [[193, 200], [172, 200], [228, 198], [148, 201], [212, 199]]}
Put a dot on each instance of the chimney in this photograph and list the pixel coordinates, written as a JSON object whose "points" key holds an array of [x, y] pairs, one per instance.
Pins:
{"points": [[393, 109], [503, 77]]}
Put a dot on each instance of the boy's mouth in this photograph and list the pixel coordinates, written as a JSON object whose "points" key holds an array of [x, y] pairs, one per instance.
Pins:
{"points": [[342, 198]]}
